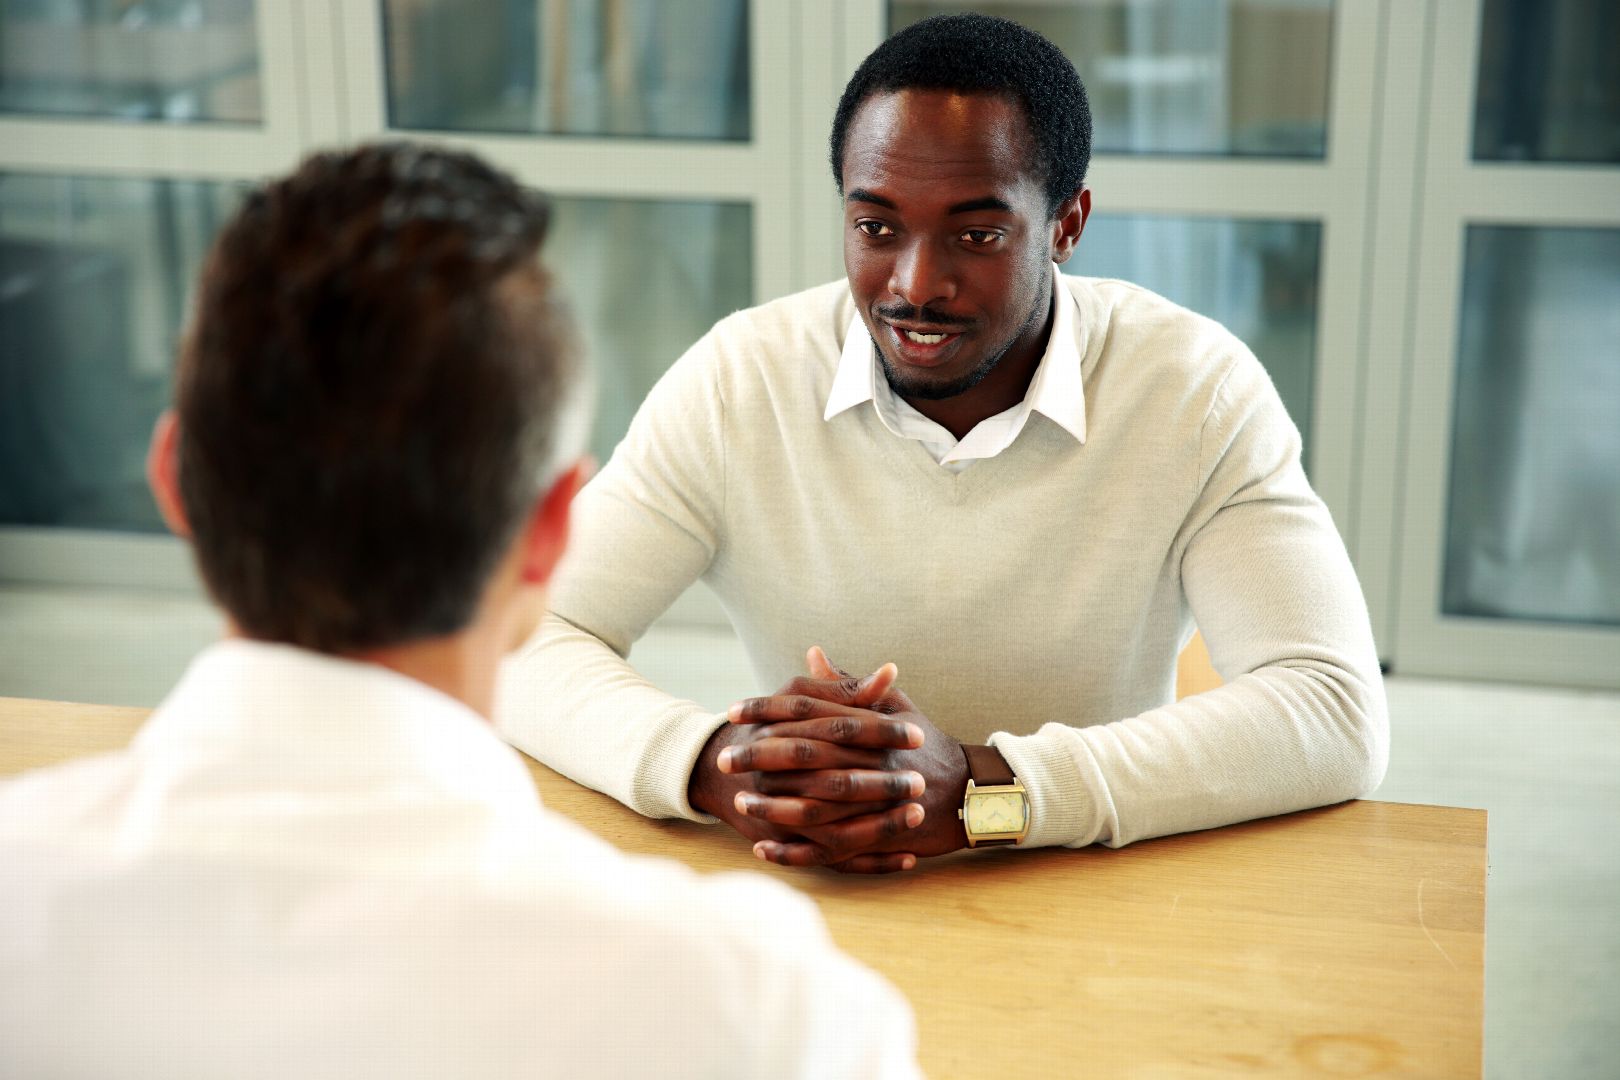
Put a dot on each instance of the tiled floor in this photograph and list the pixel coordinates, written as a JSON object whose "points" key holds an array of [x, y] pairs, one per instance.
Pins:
{"points": [[1545, 763]]}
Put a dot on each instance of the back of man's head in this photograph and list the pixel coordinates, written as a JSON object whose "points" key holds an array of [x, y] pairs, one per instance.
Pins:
{"points": [[368, 395], [971, 53]]}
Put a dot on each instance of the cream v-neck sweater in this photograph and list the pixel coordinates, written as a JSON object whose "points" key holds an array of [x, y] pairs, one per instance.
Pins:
{"points": [[1036, 601]]}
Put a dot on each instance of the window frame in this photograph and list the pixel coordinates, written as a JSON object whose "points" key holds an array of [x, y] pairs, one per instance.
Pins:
{"points": [[1455, 191], [1394, 194]]}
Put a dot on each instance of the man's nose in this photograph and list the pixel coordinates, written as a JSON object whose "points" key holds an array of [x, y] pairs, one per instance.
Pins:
{"points": [[922, 274]]}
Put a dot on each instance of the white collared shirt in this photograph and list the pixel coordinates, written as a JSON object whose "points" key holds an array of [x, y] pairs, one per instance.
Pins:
{"points": [[1055, 392], [305, 866]]}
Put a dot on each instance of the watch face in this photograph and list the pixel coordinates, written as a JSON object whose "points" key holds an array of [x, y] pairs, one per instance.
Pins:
{"points": [[995, 812]]}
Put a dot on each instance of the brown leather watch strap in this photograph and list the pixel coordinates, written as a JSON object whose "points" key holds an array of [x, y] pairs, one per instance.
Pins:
{"points": [[986, 767]]}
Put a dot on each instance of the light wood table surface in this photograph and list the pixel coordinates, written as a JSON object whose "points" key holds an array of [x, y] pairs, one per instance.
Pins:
{"points": [[1347, 941]]}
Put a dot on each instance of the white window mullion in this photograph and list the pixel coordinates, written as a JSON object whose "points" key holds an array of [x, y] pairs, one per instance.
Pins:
{"points": [[1387, 306]]}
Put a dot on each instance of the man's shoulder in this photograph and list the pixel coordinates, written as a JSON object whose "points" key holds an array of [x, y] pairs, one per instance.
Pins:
{"points": [[1129, 314], [55, 798], [810, 321], [781, 350], [602, 885], [816, 318], [661, 948], [820, 307], [1134, 335]]}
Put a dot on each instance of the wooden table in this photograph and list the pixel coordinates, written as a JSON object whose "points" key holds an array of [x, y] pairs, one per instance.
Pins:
{"points": [[1347, 941]]}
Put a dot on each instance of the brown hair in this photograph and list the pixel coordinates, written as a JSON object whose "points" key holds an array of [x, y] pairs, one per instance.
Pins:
{"points": [[367, 396]]}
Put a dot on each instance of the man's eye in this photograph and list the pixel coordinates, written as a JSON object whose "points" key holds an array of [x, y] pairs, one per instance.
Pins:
{"points": [[980, 237], [873, 228]]}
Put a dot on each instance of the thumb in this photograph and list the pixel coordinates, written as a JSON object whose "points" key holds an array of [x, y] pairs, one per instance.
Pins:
{"points": [[821, 667], [863, 693], [875, 686]]}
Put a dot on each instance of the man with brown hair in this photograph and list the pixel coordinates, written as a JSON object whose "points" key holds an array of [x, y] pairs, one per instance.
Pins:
{"points": [[318, 859]]}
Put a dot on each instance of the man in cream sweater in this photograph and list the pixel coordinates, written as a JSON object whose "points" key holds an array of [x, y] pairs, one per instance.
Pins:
{"points": [[1021, 488]]}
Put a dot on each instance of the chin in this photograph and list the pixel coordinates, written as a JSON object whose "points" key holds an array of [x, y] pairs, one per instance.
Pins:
{"points": [[926, 384]]}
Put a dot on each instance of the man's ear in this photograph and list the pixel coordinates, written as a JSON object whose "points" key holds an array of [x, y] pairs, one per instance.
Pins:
{"points": [[163, 473], [545, 537], [1069, 223]]}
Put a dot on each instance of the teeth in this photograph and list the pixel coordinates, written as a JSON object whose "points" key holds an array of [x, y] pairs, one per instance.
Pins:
{"points": [[925, 339]]}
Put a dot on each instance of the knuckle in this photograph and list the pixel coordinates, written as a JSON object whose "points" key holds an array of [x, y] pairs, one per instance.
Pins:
{"points": [[849, 685], [801, 708], [809, 813], [845, 728], [803, 751], [897, 785], [838, 784]]}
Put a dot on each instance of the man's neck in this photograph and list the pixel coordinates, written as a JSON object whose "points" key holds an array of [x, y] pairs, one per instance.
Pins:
{"points": [[462, 665], [459, 665]]}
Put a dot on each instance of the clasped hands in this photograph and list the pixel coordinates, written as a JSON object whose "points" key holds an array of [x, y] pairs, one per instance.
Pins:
{"points": [[834, 770]]}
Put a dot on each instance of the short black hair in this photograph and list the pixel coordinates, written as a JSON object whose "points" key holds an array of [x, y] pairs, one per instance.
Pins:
{"points": [[368, 394], [983, 54]]}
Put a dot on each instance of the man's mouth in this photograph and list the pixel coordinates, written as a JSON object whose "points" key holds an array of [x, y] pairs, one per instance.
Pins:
{"points": [[922, 344]]}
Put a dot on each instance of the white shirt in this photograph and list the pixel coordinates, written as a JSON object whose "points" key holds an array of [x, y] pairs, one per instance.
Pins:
{"points": [[1055, 392], [305, 866]]}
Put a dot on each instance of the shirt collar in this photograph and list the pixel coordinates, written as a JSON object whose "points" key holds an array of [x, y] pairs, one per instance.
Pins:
{"points": [[1056, 392], [302, 718]]}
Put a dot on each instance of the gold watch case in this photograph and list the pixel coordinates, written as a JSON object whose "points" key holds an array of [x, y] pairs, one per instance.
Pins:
{"points": [[995, 813]]}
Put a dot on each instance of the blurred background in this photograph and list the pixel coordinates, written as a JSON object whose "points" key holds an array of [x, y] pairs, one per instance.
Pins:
{"points": [[1410, 209]]}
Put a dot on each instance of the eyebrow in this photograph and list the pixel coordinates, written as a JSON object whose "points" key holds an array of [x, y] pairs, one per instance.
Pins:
{"points": [[986, 202], [862, 195]]}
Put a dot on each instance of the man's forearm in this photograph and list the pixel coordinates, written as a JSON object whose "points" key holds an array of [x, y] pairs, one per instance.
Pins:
{"points": [[1279, 739], [570, 701]]}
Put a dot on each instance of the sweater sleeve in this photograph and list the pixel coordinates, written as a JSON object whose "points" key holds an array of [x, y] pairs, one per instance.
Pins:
{"points": [[643, 530], [1301, 720]]}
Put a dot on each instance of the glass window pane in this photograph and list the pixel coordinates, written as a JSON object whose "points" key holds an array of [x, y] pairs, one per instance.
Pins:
{"points": [[646, 280], [1234, 77], [1533, 516], [573, 67], [1256, 278], [95, 276], [167, 60], [94, 280], [1549, 83]]}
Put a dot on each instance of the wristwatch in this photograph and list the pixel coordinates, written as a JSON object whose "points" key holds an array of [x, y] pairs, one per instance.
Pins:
{"points": [[995, 809]]}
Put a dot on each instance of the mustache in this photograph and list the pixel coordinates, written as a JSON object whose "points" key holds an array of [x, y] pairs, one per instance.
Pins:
{"points": [[925, 315]]}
